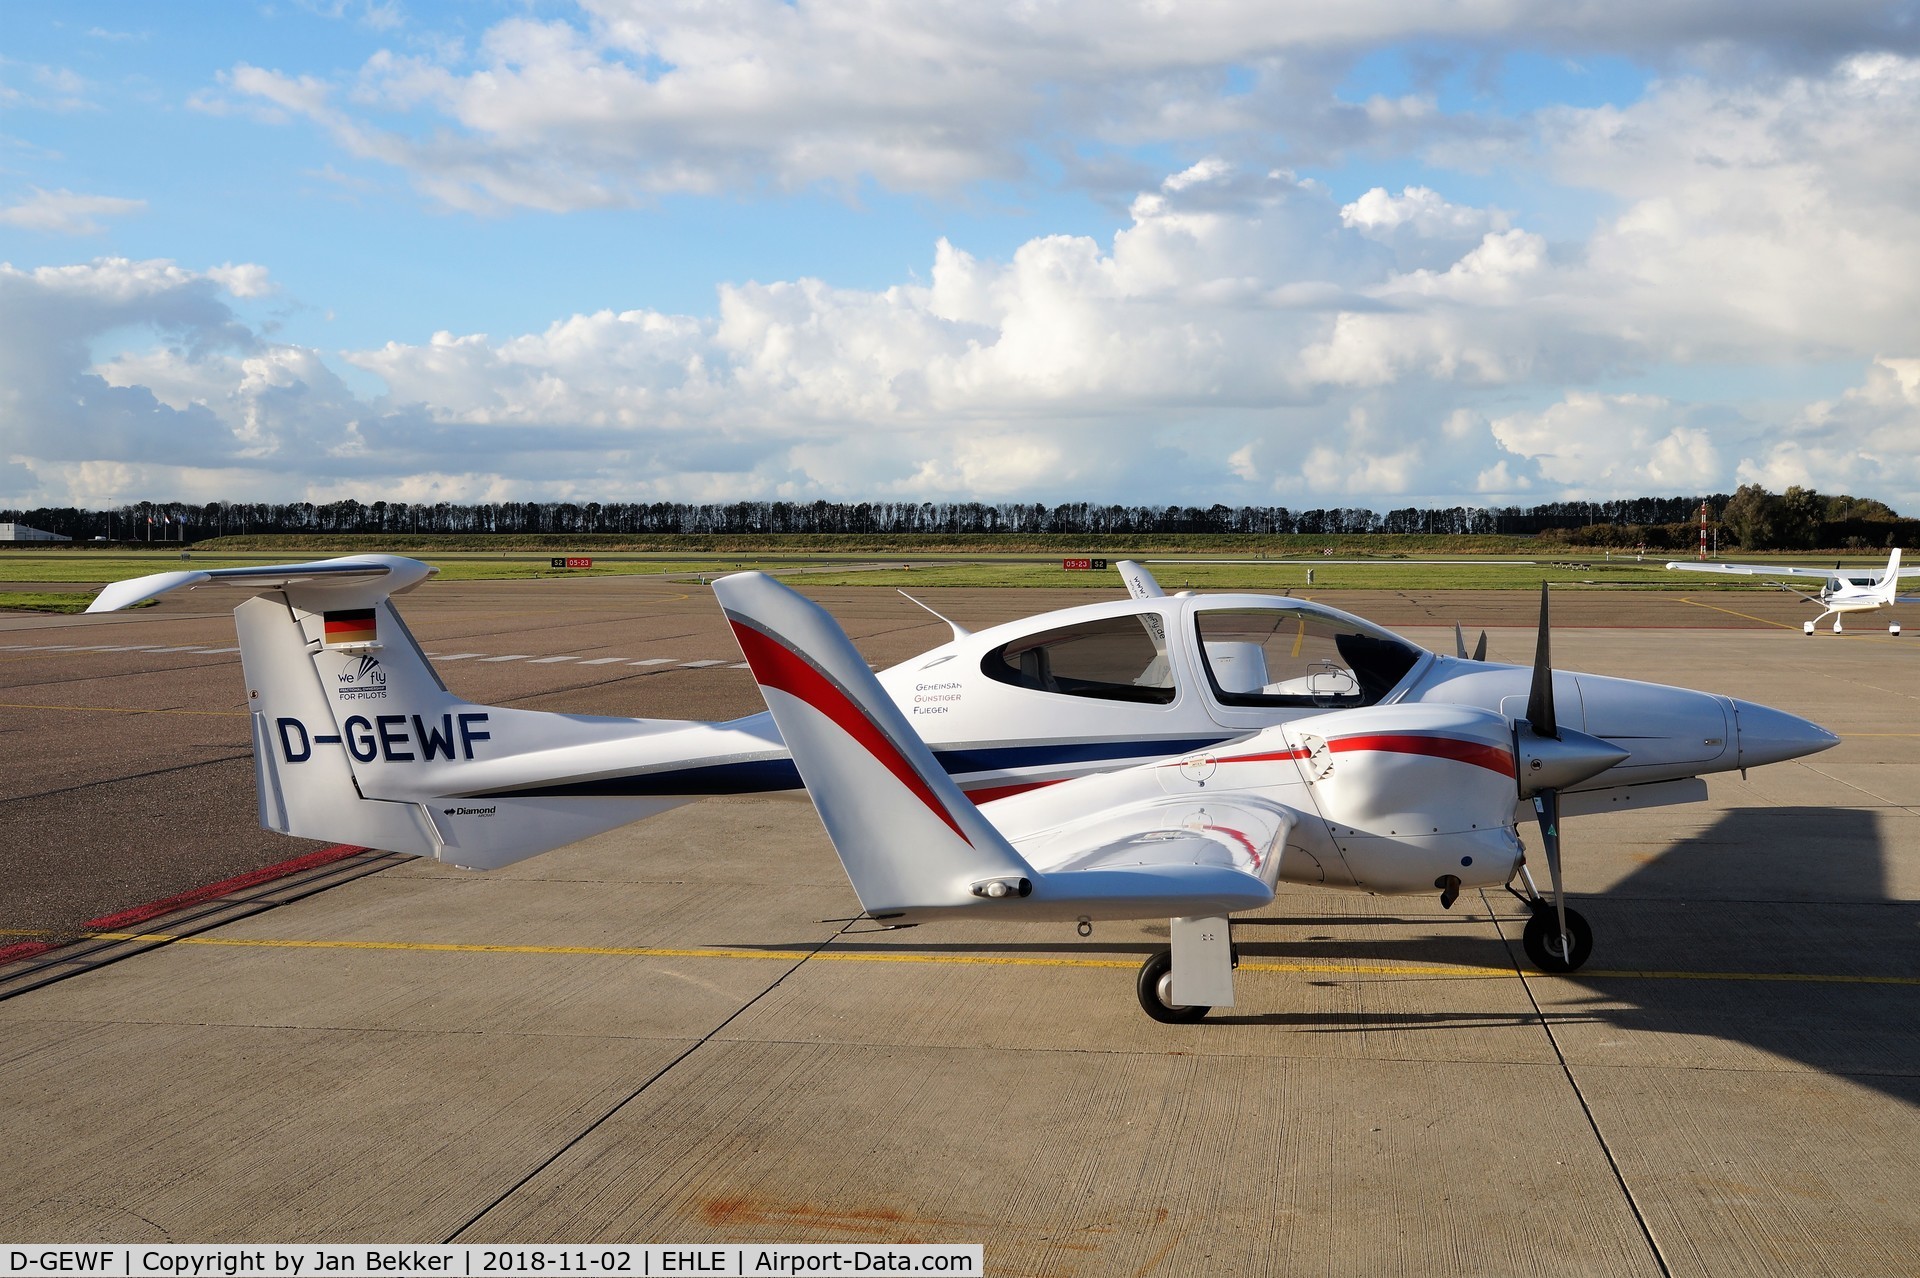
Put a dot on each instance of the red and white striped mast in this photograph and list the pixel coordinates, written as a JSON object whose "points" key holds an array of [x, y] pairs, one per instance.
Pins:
{"points": [[1703, 532]]}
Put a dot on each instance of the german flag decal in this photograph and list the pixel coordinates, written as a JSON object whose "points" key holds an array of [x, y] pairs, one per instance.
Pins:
{"points": [[353, 626]]}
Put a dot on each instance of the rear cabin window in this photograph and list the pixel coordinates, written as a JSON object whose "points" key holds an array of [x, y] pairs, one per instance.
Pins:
{"points": [[1269, 657], [1115, 659]]}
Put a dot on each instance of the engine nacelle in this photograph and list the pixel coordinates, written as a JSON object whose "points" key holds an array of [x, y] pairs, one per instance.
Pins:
{"points": [[1413, 793]]}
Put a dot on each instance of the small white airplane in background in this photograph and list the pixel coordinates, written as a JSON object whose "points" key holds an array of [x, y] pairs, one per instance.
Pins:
{"points": [[1844, 592], [356, 739]]}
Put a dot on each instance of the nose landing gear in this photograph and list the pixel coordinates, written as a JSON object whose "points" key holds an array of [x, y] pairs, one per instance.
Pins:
{"points": [[1545, 948], [1551, 952]]}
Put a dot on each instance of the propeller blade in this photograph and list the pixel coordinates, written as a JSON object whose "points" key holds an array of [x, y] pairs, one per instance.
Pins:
{"points": [[1459, 642], [1480, 649], [1546, 806], [1540, 716]]}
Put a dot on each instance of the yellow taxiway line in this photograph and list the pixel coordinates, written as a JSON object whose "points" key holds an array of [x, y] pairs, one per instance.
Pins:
{"points": [[1457, 972]]}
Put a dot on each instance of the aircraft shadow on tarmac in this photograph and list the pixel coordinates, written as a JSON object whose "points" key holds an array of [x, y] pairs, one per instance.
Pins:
{"points": [[1764, 891], [1791, 892]]}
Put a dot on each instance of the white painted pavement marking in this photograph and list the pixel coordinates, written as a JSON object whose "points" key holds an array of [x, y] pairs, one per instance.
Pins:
{"points": [[457, 656], [698, 665], [739, 665], [547, 661], [651, 661], [602, 661], [517, 656]]}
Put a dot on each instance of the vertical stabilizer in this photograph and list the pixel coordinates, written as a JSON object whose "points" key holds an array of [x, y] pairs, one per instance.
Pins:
{"points": [[301, 768]]}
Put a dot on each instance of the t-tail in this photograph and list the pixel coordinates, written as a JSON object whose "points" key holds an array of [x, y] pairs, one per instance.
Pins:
{"points": [[356, 739]]}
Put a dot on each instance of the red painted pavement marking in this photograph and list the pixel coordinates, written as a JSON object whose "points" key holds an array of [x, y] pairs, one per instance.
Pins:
{"points": [[167, 905]]}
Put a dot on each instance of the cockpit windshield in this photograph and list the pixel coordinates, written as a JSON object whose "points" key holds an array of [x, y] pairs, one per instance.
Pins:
{"points": [[1287, 657]]}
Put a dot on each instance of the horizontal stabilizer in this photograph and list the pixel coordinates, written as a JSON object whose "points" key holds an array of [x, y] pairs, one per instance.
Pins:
{"points": [[397, 573]]}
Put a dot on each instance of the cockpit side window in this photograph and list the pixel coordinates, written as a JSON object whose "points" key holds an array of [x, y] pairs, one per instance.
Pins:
{"points": [[1274, 657], [1114, 659]]}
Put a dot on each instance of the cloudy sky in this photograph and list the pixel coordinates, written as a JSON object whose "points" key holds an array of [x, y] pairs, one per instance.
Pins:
{"points": [[1374, 252]]}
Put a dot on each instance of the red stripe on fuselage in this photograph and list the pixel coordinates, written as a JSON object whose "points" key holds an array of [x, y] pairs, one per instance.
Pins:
{"points": [[776, 666], [1492, 758], [1269, 756]]}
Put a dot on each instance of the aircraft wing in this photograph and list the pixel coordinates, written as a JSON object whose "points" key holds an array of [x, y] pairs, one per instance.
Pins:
{"points": [[351, 570], [1238, 832], [1752, 570]]}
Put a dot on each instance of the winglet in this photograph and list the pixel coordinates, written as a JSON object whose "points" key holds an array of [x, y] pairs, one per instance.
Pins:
{"points": [[1140, 582], [907, 836], [1890, 584]]}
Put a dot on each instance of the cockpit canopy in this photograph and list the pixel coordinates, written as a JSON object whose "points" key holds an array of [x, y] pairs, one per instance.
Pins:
{"points": [[1251, 653]]}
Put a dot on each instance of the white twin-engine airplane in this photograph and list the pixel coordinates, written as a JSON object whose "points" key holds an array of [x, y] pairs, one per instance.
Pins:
{"points": [[1843, 593], [1398, 794], [356, 740]]}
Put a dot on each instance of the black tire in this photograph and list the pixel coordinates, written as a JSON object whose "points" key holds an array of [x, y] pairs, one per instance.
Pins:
{"points": [[1542, 944], [1158, 969]]}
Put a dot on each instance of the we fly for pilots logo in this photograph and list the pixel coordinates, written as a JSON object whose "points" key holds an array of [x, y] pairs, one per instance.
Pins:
{"points": [[362, 680]]}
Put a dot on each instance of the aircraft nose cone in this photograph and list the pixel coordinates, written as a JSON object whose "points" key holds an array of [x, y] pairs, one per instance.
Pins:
{"points": [[1767, 735]]}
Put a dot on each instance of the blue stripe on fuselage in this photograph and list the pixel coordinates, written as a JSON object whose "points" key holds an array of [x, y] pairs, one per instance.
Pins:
{"points": [[755, 776]]}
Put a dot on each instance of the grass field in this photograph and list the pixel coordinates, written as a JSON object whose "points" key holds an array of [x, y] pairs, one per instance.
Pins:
{"points": [[67, 577]]}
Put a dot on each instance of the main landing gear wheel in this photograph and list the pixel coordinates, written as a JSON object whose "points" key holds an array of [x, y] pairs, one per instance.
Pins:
{"points": [[1155, 988], [1542, 942]]}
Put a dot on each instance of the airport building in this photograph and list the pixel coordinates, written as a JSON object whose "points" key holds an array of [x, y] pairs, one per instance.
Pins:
{"points": [[20, 532]]}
